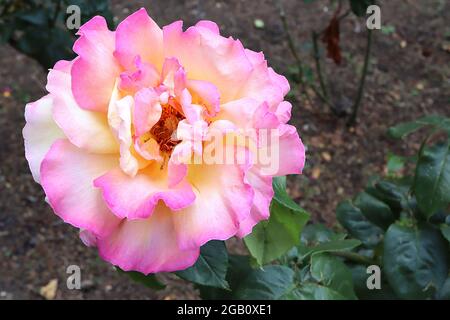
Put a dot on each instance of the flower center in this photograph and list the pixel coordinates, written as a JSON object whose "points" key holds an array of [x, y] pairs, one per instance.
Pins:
{"points": [[163, 130]]}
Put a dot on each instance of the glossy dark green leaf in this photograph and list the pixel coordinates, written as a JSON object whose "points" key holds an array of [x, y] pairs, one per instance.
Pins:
{"points": [[331, 246], [211, 266], [415, 260], [282, 197], [445, 229], [238, 268], [394, 194], [402, 130], [150, 281], [269, 283], [360, 276], [376, 211], [313, 291], [432, 183], [316, 233], [352, 219], [444, 293], [331, 272]]}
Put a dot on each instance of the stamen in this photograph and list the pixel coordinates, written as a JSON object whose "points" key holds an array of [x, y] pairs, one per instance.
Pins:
{"points": [[163, 130]]}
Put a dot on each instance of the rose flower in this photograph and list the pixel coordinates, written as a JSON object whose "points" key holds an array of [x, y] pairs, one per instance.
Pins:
{"points": [[113, 141]]}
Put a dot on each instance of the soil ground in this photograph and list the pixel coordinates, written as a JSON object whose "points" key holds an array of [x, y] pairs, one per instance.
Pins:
{"points": [[409, 77]]}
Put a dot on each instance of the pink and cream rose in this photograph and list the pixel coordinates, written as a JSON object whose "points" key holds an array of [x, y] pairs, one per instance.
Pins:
{"points": [[105, 143]]}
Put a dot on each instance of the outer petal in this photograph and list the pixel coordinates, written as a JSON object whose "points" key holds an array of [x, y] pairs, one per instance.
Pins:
{"points": [[39, 133], [137, 197], [283, 111], [86, 129], [94, 72], [139, 35], [211, 26], [209, 57], [223, 199], [286, 151], [264, 84], [67, 175], [262, 187], [147, 246]]}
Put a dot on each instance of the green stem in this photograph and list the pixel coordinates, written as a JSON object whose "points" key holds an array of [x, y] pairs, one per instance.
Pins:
{"points": [[315, 37], [55, 16], [354, 257], [360, 94], [292, 48]]}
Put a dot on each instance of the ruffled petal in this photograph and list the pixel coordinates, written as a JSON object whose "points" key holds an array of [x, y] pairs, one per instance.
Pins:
{"points": [[67, 175], [283, 152], [144, 75], [86, 129], [206, 94], [283, 111], [263, 194], [147, 111], [211, 26], [263, 84], [137, 197], [95, 71], [139, 35], [119, 118], [240, 112], [208, 57], [223, 200], [147, 246], [173, 76], [39, 133]]}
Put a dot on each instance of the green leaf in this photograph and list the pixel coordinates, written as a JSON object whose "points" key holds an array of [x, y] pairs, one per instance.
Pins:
{"points": [[269, 283], [331, 246], [359, 7], [444, 293], [282, 197], [395, 195], [238, 268], [211, 266], [445, 230], [332, 273], [360, 276], [313, 291], [37, 17], [395, 164], [415, 260], [150, 281], [432, 183], [402, 130], [271, 239], [376, 211], [316, 233], [352, 219]]}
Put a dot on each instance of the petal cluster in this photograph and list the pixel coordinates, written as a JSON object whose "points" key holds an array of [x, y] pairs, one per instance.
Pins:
{"points": [[115, 143]]}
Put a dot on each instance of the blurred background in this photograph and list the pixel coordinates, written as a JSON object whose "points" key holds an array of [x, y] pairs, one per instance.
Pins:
{"points": [[406, 76]]}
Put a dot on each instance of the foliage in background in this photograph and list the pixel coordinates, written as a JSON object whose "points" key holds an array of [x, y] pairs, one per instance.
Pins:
{"points": [[38, 28], [400, 223]]}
